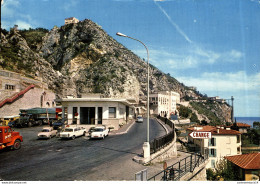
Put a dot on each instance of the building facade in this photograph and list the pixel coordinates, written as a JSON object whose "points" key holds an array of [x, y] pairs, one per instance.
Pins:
{"points": [[89, 112], [224, 142], [14, 85], [164, 103]]}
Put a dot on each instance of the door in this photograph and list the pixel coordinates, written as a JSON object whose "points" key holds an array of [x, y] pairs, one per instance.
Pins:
{"points": [[100, 112], [87, 115]]}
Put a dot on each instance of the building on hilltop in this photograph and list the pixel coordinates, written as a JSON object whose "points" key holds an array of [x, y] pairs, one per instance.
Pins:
{"points": [[223, 142], [247, 165], [71, 20]]}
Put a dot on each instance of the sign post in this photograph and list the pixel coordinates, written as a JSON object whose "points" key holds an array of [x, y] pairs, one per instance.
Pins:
{"points": [[200, 135]]}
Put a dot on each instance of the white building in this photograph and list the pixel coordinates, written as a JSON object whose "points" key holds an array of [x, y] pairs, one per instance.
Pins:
{"points": [[224, 142], [164, 102], [71, 20], [91, 111]]}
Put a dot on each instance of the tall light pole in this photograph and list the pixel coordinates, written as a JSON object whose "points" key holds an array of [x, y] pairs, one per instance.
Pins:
{"points": [[146, 145]]}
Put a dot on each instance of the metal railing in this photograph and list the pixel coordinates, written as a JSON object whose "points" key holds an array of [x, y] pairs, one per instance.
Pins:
{"points": [[180, 168], [161, 142]]}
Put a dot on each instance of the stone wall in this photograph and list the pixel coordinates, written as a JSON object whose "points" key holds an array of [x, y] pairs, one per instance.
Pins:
{"points": [[30, 99], [199, 174]]}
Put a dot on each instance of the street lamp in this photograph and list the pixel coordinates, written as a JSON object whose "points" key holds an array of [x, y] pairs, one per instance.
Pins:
{"points": [[146, 145]]}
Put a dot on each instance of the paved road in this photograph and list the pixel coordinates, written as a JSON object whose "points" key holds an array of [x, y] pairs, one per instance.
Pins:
{"points": [[79, 159]]}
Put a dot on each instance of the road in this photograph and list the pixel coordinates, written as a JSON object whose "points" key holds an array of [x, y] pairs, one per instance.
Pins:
{"points": [[79, 159]]}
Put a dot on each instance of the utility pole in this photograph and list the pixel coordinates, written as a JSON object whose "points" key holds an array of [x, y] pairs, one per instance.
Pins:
{"points": [[232, 111]]}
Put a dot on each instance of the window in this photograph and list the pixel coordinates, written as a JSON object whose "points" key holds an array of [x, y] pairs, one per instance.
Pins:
{"points": [[238, 138], [228, 151], [9, 87], [112, 112], [212, 142], [238, 150], [212, 153], [228, 140], [212, 163]]}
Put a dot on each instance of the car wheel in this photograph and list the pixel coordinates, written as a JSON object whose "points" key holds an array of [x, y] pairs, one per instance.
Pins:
{"points": [[84, 134], [17, 144], [73, 137], [103, 137]]}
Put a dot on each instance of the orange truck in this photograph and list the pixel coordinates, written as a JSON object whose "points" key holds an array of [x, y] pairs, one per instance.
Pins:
{"points": [[9, 138]]}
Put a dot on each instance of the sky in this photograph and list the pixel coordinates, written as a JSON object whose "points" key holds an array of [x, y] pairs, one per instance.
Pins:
{"points": [[213, 45]]}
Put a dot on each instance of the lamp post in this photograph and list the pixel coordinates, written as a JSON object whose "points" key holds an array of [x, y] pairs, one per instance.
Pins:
{"points": [[146, 145]]}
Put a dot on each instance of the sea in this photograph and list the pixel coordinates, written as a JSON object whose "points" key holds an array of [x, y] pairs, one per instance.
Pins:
{"points": [[248, 120]]}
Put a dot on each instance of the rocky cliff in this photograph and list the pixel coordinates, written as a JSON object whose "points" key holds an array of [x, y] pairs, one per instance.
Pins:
{"points": [[81, 58]]}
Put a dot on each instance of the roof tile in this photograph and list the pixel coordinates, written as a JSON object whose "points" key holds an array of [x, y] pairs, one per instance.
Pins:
{"points": [[246, 161]]}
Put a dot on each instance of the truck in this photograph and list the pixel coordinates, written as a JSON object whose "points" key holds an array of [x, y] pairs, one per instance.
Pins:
{"points": [[37, 116], [7, 119], [10, 138]]}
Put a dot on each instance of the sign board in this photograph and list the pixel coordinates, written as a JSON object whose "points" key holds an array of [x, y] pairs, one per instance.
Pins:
{"points": [[200, 135]]}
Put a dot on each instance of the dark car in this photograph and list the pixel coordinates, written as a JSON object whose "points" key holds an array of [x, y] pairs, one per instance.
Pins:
{"points": [[12, 123], [58, 124]]}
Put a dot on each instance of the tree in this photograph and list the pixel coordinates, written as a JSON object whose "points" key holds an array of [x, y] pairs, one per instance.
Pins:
{"points": [[256, 125], [224, 170]]}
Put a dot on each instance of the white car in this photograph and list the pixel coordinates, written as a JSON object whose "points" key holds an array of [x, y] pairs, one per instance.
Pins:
{"points": [[139, 119], [47, 133], [99, 132], [72, 132]]}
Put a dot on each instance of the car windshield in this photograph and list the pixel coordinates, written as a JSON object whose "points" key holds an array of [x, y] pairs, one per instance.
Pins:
{"points": [[98, 130], [45, 130], [139, 118], [68, 130]]}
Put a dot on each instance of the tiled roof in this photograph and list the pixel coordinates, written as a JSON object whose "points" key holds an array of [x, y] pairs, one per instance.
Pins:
{"points": [[246, 161], [213, 130], [241, 125]]}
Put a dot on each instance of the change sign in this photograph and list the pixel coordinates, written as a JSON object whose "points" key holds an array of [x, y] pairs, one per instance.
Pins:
{"points": [[200, 135]]}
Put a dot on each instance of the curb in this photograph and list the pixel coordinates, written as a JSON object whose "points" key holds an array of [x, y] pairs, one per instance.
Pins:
{"points": [[120, 133]]}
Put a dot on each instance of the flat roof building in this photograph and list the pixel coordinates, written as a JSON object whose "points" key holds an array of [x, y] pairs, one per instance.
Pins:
{"points": [[91, 111]]}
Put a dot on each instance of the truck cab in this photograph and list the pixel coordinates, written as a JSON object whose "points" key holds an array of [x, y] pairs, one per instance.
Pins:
{"points": [[9, 138]]}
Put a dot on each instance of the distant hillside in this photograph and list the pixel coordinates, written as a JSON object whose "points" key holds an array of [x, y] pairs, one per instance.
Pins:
{"points": [[81, 58]]}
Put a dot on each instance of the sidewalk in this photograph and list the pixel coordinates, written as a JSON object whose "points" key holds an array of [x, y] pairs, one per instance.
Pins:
{"points": [[124, 129]]}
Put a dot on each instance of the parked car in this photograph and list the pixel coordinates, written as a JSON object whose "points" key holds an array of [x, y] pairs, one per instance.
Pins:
{"points": [[58, 125], [99, 132], [12, 123], [47, 133], [72, 132], [139, 119], [91, 130]]}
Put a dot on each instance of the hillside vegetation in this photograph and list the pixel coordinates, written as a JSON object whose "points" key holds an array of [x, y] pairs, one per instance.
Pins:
{"points": [[82, 58]]}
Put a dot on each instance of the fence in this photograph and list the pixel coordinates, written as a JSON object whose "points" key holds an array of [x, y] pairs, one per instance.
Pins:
{"points": [[180, 168], [162, 141]]}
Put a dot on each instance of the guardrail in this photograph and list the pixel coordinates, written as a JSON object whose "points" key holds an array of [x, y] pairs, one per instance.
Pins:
{"points": [[161, 142], [180, 168]]}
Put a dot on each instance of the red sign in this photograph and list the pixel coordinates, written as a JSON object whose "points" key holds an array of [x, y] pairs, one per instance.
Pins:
{"points": [[200, 135]]}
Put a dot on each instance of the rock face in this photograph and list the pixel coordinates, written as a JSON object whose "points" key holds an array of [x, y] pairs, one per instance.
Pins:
{"points": [[81, 58]]}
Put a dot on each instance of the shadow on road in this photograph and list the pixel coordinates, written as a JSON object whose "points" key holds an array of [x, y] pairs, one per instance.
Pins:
{"points": [[123, 151]]}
